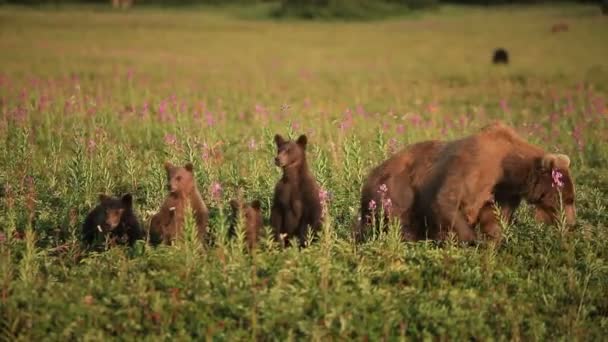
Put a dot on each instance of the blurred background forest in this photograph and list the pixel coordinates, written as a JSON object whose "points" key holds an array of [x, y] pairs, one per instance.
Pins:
{"points": [[304, 9]]}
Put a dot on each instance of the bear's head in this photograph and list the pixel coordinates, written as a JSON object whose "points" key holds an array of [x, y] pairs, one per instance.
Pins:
{"points": [[114, 210], [252, 219], [552, 188], [180, 179], [290, 153]]}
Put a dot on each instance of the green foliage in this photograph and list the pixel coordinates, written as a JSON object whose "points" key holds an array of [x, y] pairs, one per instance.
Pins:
{"points": [[100, 115], [348, 9]]}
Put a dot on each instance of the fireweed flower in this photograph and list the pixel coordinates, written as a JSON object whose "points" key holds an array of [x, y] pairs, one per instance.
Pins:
{"points": [[387, 205], [205, 151], [557, 178], [504, 105], [170, 139], [209, 118], [323, 199], [216, 191], [383, 189], [91, 145], [372, 205]]}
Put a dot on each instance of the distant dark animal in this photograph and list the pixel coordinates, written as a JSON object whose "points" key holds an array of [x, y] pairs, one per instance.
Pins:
{"points": [[296, 205], [559, 27], [501, 56], [113, 218]]}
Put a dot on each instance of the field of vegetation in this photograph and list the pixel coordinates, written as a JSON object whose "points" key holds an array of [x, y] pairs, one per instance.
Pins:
{"points": [[94, 101]]}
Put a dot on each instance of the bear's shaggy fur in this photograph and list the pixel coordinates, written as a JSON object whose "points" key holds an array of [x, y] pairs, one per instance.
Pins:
{"points": [[112, 218], [390, 187], [501, 56], [168, 223], [296, 205], [453, 186], [251, 216]]}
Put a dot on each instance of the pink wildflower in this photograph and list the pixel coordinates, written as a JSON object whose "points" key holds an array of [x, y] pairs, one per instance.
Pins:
{"points": [[170, 139], [387, 205], [383, 189], [216, 191], [91, 145], [372, 205], [323, 199], [557, 178]]}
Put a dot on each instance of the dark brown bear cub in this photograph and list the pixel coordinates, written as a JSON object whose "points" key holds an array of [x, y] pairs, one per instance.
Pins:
{"points": [[251, 214], [113, 218], [168, 223], [296, 205]]}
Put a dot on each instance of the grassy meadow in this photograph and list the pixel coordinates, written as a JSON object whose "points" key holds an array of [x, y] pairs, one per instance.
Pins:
{"points": [[94, 101]]}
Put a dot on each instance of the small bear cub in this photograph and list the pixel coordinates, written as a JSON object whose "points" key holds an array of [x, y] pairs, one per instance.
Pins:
{"points": [[168, 223], [114, 218], [251, 214], [296, 205]]}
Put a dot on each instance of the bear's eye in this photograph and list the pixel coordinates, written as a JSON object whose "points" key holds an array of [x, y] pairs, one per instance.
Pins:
{"points": [[178, 178]]}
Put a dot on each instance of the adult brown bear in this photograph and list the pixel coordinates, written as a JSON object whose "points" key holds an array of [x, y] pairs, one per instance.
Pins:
{"points": [[451, 186]]}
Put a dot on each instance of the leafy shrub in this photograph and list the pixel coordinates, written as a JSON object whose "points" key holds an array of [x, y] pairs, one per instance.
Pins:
{"points": [[348, 9]]}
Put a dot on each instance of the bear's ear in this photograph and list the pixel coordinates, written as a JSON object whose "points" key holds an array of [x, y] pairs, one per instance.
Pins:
{"points": [[127, 200], [551, 160], [103, 197], [189, 167], [562, 161], [234, 204], [302, 141], [256, 205], [168, 166], [279, 140]]}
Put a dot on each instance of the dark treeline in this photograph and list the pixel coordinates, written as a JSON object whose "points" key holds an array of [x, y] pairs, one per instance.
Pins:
{"points": [[307, 9]]}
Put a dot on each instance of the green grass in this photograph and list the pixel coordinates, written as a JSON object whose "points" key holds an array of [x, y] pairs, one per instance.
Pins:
{"points": [[88, 96]]}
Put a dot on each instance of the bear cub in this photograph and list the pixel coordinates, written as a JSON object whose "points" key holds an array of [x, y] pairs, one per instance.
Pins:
{"points": [[168, 223], [251, 214], [296, 205], [114, 218]]}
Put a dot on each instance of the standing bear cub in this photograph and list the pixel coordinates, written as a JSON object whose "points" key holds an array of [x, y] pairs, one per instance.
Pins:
{"points": [[251, 214], [296, 205], [168, 223], [112, 218]]}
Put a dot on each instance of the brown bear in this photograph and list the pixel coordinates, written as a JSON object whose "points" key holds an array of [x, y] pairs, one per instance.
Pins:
{"points": [[114, 218], [453, 186], [168, 223], [493, 165], [296, 205], [252, 220]]}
